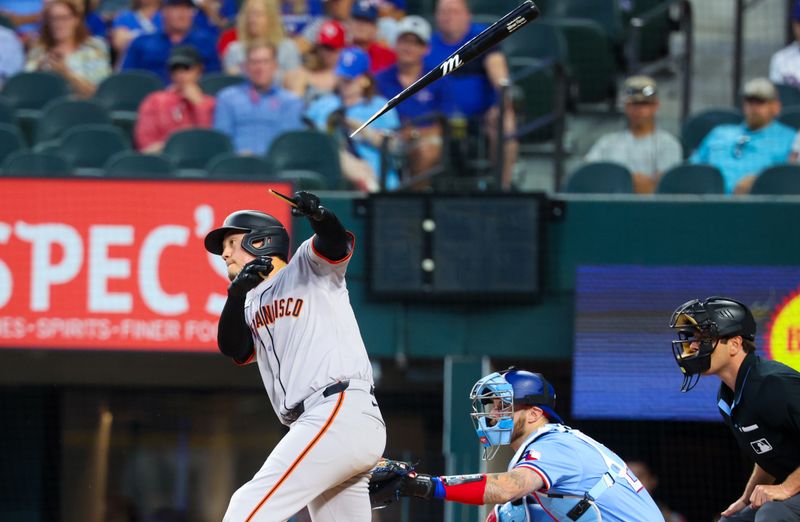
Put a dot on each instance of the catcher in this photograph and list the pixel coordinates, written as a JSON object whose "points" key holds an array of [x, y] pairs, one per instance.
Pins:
{"points": [[557, 473]]}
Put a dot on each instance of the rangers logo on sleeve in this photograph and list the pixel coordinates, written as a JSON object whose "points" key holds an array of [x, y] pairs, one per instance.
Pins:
{"points": [[531, 455]]}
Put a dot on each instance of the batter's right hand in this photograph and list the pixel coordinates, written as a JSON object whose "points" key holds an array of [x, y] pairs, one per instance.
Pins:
{"points": [[734, 508], [251, 275]]}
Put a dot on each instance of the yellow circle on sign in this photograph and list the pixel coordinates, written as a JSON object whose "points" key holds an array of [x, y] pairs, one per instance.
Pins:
{"points": [[784, 334]]}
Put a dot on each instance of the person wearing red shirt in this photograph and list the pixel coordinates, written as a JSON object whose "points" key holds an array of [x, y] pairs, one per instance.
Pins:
{"points": [[182, 105], [364, 31]]}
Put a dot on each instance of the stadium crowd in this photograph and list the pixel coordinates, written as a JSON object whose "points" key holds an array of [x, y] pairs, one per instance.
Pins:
{"points": [[299, 64]]}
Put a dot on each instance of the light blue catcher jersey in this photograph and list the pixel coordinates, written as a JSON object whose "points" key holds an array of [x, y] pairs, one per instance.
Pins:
{"points": [[572, 464]]}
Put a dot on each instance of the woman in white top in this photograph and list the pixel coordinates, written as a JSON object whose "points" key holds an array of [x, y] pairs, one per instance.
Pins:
{"points": [[66, 48]]}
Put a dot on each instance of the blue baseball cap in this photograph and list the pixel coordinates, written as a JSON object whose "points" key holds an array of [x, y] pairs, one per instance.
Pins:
{"points": [[352, 62], [796, 11], [364, 10]]}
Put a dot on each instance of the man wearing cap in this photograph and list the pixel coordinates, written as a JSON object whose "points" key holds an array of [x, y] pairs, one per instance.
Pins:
{"points": [[473, 87], [354, 102], [364, 32], [421, 131], [150, 51], [257, 111], [784, 67], [644, 149], [742, 151], [317, 77], [182, 105]]}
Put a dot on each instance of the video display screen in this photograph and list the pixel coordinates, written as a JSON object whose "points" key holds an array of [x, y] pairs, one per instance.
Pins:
{"points": [[623, 362]]}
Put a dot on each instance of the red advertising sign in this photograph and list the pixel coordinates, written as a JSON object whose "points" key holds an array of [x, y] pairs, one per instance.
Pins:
{"points": [[116, 264]]}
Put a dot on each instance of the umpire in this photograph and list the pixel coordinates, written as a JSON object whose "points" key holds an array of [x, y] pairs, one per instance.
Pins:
{"points": [[759, 401]]}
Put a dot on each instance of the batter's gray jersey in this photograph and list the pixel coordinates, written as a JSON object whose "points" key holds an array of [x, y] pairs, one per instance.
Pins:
{"points": [[304, 330]]}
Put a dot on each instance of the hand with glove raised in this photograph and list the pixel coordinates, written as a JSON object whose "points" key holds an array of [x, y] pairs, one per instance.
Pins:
{"points": [[307, 204], [250, 276]]}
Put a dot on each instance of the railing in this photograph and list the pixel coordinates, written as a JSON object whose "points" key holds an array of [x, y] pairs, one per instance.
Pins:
{"points": [[741, 8], [684, 23], [556, 117]]}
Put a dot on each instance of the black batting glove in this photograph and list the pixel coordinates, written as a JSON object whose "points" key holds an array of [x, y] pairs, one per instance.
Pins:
{"points": [[250, 276], [417, 485], [307, 204]]}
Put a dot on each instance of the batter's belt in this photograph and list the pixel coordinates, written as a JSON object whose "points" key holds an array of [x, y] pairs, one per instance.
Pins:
{"points": [[337, 387]]}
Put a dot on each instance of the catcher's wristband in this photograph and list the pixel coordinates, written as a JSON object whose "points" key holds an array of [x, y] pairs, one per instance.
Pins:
{"points": [[467, 489]]}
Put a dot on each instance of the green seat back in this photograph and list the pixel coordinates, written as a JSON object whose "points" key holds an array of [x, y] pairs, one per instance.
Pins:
{"points": [[34, 90], [90, 146], [61, 115], [193, 148], [232, 166], [777, 181], [291, 151], [600, 178], [130, 164], [28, 163], [691, 179], [125, 90]]}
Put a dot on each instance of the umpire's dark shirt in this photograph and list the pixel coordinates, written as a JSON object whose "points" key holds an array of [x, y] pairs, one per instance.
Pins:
{"points": [[764, 414]]}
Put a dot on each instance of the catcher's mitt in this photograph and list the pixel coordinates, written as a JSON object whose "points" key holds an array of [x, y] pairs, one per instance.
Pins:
{"points": [[386, 480]]}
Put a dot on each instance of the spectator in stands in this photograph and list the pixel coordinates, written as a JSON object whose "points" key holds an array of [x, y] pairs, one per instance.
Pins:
{"points": [[94, 22], [784, 67], [338, 10], [364, 33], [12, 55], [741, 151], [473, 89], [317, 77], [24, 14], [644, 149], [66, 48], [420, 115], [299, 14], [261, 20], [342, 113], [255, 112], [182, 105], [390, 13], [150, 51], [649, 480], [144, 17]]}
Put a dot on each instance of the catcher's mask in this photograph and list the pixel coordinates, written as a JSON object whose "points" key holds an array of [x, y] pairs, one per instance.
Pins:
{"points": [[706, 322], [257, 226], [494, 398]]}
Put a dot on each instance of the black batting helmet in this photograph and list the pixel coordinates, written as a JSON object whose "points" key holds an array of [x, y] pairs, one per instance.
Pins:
{"points": [[257, 226], [706, 321]]}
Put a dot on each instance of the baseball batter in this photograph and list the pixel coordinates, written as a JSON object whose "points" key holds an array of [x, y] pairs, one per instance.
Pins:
{"points": [[295, 321]]}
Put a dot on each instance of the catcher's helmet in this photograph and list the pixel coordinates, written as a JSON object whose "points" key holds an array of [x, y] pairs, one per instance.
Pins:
{"points": [[706, 321], [494, 398], [257, 226]]}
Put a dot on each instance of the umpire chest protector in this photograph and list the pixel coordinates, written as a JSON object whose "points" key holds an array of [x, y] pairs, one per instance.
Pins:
{"points": [[764, 414]]}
